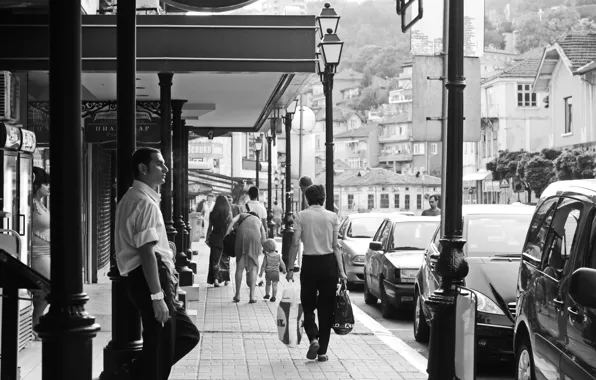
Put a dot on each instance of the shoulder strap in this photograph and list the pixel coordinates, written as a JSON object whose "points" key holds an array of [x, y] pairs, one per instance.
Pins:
{"points": [[247, 208]]}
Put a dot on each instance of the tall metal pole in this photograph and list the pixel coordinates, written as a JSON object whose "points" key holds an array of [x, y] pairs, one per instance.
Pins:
{"points": [[67, 330], [126, 340], [288, 232], [270, 223], [165, 98], [451, 265], [329, 145], [186, 274], [257, 154], [300, 133]]}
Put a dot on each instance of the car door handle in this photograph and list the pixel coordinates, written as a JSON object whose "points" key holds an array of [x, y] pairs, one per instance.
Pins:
{"points": [[558, 303], [573, 313]]}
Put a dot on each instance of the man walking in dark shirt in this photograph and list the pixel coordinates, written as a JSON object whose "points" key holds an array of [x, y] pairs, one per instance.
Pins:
{"points": [[434, 209]]}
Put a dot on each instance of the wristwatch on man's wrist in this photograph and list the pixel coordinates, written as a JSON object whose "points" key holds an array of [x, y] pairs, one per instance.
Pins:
{"points": [[157, 296]]}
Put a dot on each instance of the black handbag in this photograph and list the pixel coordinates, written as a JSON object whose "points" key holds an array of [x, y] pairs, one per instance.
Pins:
{"points": [[343, 316], [229, 241]]}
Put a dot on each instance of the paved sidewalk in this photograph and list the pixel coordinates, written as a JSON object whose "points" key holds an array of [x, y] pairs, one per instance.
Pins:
{"points": [[239, 341]]}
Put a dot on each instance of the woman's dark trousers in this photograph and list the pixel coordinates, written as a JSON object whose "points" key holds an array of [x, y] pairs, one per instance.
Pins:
{"points": [[318, 275], [163, 346]]}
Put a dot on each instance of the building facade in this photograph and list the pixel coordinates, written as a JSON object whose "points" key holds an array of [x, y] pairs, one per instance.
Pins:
{"points": [[380, 190]]}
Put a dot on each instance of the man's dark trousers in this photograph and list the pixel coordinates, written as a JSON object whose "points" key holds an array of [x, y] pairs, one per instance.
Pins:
{"points": [[163, 346]]}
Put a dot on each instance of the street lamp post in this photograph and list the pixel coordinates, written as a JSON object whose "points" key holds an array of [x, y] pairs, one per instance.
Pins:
{"points": [[288, 232], [451, 264], [258, 147], [329, 56], [270, 224], [283, 181]]}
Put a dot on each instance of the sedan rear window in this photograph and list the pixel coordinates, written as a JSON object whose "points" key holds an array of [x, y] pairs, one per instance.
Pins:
{"points": [[413, 235], [364, 227], [494, 235]]}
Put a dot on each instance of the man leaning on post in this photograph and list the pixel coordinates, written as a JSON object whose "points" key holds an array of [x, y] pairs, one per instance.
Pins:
{"points": [[146, 263]]}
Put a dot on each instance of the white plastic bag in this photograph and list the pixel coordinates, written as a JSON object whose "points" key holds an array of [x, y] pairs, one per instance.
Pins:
{"points": [[290, 318]]}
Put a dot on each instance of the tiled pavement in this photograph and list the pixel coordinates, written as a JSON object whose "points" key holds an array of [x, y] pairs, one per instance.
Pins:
{"points": [[239, 341]]}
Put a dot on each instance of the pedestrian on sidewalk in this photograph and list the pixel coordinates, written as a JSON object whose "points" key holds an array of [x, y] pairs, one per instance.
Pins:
{"points": [[271, 266], [255, 206], [40, 241], [434, 209], [250, 235], [317, 228], [219, 222], [145, 261], [277, 217], [234, 207]]}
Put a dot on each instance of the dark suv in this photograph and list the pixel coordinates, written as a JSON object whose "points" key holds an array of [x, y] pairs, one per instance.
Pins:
{"points": [[555, 329]]}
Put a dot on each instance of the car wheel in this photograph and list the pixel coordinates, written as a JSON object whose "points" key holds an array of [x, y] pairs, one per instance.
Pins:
{"points": [[421, 327], [369, 299], [387, 309], [350, 285], [524, 361]]}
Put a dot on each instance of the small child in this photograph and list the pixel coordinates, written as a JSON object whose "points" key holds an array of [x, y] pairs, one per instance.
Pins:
{"points": [[271, 265]]}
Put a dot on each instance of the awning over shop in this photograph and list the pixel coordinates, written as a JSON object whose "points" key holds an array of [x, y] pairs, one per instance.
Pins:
{"points": [[478, 176], [232, 70]]}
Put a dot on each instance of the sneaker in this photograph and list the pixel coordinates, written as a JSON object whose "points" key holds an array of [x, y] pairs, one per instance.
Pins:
{"points": [[272, 299], [323, 358], [266, 296], [313, 349]]}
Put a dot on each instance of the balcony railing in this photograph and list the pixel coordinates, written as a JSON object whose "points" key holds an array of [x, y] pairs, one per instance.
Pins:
{"points": [[395, 157], [394, 138]]}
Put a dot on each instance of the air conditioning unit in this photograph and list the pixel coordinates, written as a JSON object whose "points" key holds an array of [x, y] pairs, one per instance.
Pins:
{"points": [[10, 102]]}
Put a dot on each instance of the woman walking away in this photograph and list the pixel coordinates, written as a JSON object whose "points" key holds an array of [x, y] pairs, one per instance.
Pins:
{"points": [[317, 228], [250, 236], [219, 221]]}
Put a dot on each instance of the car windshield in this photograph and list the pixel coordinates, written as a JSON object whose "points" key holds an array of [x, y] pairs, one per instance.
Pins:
{"points": [[496, 235], [413, 235], [364, 227]]}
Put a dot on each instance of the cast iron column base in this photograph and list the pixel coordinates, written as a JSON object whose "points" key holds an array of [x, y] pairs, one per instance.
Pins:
{"points": [[453, 268], [67, 331]]}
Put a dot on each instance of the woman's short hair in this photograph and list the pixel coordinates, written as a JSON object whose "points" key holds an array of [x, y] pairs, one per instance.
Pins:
{"points": [[40, 177], [315, 195], [141, 156]]}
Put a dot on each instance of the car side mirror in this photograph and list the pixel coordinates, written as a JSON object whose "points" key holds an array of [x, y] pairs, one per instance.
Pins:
{"points": [[434, 256], [375, 246], [582, 280]]}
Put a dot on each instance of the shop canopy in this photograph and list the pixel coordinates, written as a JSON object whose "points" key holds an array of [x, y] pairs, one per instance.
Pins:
{"points": [[232, 70]]}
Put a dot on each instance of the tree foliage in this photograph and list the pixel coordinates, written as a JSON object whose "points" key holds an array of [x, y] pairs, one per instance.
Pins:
{"points": [[555, 23], [540, 172], [370, 97], [539, 169], [372, 36]]}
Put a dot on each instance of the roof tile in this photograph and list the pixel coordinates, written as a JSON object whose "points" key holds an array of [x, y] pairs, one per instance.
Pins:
{"points": [[579, 48]]}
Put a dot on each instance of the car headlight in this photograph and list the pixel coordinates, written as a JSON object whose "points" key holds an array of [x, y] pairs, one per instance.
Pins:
{"points": [[358, 259], [486, 305], [408, 275]]}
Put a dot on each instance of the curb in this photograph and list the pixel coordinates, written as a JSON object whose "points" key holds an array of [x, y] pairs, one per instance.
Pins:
{"points": [[408, 353]]}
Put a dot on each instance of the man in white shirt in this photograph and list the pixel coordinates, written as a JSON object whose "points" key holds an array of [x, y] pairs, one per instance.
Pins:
{"points": [[146, 262], [255, 206], [322, 266]]}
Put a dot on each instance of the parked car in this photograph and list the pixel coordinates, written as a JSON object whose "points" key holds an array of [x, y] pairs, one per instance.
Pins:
{"points": [[555, 324], [494, 237], [393, 259], [355, 232]]}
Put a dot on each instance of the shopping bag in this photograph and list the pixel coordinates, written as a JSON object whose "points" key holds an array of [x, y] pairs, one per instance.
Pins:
{"points": [[290, 318], [343, 316]]}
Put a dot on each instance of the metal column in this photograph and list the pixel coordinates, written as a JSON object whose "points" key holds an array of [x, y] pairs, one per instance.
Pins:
{"points": [[67, 330], [451, 265]]}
